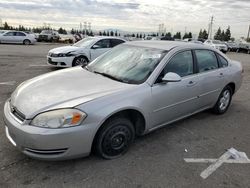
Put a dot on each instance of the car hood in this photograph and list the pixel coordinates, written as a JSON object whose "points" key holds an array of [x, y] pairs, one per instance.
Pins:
{"points": [[62, 89], [64, 49]]}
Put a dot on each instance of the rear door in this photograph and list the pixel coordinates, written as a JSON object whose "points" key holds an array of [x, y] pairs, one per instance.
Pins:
{"points": [[19, 37], [173, 100], [211, 77], [99, 48]]}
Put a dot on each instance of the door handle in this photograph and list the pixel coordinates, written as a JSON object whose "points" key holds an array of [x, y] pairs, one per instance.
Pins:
{"points": [[191, 83], [221, 75]]}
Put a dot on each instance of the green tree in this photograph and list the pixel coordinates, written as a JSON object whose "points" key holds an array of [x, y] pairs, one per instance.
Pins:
{"points": [[177, 35], [217, 35], [104, 33], [228, 34], [116, 33], [6, 26], [137, 35], [111, 33]]}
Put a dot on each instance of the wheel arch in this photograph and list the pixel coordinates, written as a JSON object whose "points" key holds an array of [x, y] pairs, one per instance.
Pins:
{"points": [[232, 86], [80, 55], [136, 116]]}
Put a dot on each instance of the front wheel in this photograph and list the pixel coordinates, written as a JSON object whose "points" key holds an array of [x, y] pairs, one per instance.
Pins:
{"points": [[224, 101], [114, 138], [82, 61]]}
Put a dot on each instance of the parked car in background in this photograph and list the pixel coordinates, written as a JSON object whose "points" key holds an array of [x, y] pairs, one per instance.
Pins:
{"points": [[244, 46], [129, 91], [232, 46], [17, 37], [217, 45], [82, 52], [48, 36], [66, 38]]}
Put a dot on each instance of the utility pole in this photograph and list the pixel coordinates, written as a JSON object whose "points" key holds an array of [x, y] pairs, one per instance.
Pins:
{"points": [[211, 27], [248, 33]]}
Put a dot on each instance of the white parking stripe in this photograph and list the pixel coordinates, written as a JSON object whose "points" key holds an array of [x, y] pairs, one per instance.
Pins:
{"points": [[41, 65], [230, 156], [10, 83]]}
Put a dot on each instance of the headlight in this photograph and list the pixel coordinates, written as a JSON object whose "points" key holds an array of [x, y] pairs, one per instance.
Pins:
{"points": [[59, 118]]}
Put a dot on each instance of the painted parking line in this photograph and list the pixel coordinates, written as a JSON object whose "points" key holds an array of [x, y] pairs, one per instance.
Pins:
{"points": [[39, 65], [10, 83], [230, 156]]}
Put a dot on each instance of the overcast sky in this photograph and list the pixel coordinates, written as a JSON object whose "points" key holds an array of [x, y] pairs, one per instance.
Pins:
{"points": [[130, 15]]}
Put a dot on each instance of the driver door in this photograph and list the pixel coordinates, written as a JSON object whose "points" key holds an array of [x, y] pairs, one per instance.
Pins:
{"points": [[99, 48], [174, 100]]}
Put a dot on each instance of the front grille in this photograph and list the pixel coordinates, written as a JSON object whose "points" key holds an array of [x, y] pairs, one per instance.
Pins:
{"points": [[19, 115], [46, 152]]}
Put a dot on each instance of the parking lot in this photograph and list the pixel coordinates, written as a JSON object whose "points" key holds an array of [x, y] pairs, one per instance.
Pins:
{"points": [[154, 160]]}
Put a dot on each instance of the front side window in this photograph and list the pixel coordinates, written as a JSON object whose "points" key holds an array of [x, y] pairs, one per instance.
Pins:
{"points": [[206, 60], [104, 43], [9, 34], [126, 63], [181, 64]]}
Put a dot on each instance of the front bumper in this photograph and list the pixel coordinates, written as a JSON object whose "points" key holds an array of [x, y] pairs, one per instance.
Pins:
{"points": [[48, 144], [60, 61]]}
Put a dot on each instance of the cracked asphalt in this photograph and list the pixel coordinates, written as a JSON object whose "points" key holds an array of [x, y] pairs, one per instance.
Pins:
{"points": [[154, 160]]}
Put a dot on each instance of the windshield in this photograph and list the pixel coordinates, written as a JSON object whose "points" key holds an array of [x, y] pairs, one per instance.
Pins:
{"points": [[84, 42], [126, 63]]}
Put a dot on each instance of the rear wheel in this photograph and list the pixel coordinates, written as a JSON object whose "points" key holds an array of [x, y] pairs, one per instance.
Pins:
{"points": [[114, 138], [82, 61], [26, 42], [224, 101]]}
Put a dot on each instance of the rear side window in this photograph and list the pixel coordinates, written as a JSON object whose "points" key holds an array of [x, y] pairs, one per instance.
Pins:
{"points": [[20, 34], [115, 42], [223, 62], [181, 64], [206, 60]]}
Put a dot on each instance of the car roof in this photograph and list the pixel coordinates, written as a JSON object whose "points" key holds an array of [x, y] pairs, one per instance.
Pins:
{"points": [[165, 45], [108, 37]]}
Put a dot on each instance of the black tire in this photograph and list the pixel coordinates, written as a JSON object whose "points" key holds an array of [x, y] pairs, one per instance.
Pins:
{"points": [[81, 60], [223, 101], [26, 42], [114, 138]]}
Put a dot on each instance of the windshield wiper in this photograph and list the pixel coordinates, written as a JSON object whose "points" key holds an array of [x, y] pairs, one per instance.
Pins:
{"points": [[110, 76]]}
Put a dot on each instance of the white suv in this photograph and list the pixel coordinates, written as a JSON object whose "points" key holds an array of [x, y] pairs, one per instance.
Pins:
{"points": [[82, 52]]}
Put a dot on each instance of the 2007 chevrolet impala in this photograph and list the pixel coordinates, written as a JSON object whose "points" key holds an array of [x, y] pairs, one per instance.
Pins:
{"points": [[131, 90]]}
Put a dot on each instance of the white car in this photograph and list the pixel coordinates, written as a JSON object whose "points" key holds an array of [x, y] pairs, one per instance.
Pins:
{"points": [[217, 45], [82, 52], [17, 37]]}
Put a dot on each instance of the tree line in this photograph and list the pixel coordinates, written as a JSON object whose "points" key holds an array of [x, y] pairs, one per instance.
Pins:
{"points": [[203, 34]]}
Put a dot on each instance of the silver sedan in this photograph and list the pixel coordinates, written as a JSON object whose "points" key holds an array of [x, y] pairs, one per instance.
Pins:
{"points": [[17, 37], [131, 90]]}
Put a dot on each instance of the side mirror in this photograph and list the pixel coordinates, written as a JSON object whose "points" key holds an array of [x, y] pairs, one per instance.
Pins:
{"points": [[96, 46], [171, 77]]}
